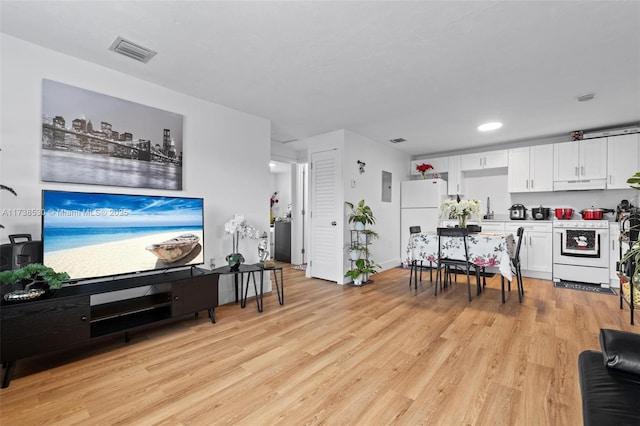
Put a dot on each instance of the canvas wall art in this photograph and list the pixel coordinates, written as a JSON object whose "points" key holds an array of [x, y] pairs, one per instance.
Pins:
{"points": [[96, 139]]}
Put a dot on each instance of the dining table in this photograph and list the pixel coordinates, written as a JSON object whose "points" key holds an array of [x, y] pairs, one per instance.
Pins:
{"points": [[486, 249]]}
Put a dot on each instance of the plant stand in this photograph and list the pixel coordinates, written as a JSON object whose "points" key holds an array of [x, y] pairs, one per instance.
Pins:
{"points": [[361, 237]]}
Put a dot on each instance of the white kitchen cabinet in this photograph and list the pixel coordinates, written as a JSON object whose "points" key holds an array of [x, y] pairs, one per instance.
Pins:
{"points": [[497, 227], [455, 183], [537, 243], [623, 159], [614, 254], [530, 169], [440, 165], [580, 160], [484, 160]]}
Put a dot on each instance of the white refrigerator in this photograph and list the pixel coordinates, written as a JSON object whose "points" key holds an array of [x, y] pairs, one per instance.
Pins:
{"points": [[420, 206]]}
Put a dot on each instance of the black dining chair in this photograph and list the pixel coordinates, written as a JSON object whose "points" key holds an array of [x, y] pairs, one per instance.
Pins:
{"points": [[413, 266], [516, 269], [447, 263]]}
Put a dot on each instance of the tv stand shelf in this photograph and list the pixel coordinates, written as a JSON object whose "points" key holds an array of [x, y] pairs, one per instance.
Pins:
{"points": [[68, 319], [114, 317]]}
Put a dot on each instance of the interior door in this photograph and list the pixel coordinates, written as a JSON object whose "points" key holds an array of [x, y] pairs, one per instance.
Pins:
{"points": [[326, 255]]}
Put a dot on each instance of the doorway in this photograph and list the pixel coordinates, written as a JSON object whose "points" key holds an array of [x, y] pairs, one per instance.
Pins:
{"points": [[289, 183]]}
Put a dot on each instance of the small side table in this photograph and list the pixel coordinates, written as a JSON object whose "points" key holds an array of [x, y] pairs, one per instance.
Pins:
{"points": [[250, 270], [280, 285]]}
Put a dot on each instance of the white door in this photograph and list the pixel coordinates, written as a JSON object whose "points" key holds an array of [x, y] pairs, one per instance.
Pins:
{"points": [[565, 161], [623, 154], [326, 255], [518, 172], [593, 159], [541, 168], [455, 182], [539, 251]]}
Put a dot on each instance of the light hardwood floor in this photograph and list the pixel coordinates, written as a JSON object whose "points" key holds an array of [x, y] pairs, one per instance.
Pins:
{"points": [[335, 355]]}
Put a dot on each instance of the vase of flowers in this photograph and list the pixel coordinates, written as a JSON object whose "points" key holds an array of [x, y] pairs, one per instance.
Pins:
{"points": [[238, 228], [422, 168], [461, 210]]}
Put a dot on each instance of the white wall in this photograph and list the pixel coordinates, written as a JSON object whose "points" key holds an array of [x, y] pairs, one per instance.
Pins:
{"points": [[368, 186], [219, 144]]}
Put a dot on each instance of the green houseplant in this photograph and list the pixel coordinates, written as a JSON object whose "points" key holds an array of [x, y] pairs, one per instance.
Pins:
{"points": [[361, 270], [34, 273], [361, 214], [633, 256], [356, 250]]}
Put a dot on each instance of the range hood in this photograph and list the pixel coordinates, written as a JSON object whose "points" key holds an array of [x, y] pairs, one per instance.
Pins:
{"points": [[579, 184]]}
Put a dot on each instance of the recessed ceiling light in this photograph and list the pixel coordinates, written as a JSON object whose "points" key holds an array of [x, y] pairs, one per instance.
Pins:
{"points": [[272, 164], [489, 126]]}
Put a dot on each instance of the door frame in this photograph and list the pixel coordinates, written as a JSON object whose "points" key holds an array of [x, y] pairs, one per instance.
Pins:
{"points": [[339, 213]]}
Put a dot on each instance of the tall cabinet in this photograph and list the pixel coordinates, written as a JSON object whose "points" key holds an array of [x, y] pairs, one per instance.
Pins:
{"points": [[623, 159]]}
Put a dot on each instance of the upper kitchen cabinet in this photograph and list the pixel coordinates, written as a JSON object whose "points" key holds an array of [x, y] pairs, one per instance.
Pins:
{"points": [[455, 183], [440, 165], [580, 165], [531, 169], [484, 160], [623, 159]]}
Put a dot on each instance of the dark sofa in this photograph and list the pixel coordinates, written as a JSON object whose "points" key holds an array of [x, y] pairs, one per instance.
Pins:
{"points": [[610, 380]]}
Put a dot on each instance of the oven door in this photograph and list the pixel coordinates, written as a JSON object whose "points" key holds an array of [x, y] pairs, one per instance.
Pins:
{"points": [[581, 247], [580, 243]]}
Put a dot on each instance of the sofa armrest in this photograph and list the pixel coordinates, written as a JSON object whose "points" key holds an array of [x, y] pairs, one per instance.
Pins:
{"points": [[609, 396], [621, 350]]}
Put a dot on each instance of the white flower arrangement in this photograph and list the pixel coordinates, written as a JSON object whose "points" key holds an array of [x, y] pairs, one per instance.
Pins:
{"points": [[452, 209], [237, 227]]}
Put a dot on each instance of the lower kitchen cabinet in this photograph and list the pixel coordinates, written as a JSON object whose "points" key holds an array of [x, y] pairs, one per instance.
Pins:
{"points": [[536, 249]]}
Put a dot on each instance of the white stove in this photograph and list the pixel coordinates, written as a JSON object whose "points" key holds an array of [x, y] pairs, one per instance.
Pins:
{"points": [[580, 251]]}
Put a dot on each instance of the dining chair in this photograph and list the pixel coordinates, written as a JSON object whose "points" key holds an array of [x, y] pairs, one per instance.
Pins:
{"points": [[448, 263], [413, 266], [516, 268]]}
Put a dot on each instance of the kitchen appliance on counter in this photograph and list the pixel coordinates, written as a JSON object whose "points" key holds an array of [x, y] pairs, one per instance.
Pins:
{"points": [[541, 213], [517, 212], [563, 213], [580, 251], [594, 214]]}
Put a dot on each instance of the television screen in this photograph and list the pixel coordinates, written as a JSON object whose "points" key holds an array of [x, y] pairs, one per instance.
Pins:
{"points": [[90, 235]]}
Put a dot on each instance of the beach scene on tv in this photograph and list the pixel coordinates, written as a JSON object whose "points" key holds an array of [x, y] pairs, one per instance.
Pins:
{"points": [[90, 235]]}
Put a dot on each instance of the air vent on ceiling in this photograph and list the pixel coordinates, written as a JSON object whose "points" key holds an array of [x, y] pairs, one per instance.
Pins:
{"points": [[132, 50], [397, 140]]}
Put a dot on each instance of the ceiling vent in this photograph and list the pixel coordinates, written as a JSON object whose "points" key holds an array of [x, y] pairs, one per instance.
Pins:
{"points": [[132, 50], [397, 140]]}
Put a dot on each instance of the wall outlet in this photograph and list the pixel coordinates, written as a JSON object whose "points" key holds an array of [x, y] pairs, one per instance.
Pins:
{"points": [[353, 183], [212, 263]]}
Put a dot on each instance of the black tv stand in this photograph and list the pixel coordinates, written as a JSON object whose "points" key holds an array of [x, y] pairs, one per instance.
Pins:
{"points": [[69, 318]]}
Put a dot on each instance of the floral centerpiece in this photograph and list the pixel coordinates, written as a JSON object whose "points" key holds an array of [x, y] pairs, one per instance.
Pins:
{"points": [[461, 210], [422, 168], [238, 228]]}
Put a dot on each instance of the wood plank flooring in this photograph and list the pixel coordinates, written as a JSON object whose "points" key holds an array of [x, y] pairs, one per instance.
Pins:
{"points": [[373, 355]]}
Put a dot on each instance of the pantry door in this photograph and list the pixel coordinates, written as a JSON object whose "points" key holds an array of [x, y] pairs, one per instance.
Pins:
{"points": [[326, 222]]}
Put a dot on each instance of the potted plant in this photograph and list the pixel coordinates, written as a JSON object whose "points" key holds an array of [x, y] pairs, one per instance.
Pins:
{"points": [[630, 283], [361, 215], [356, 250], [34, 275], [361, 270]]}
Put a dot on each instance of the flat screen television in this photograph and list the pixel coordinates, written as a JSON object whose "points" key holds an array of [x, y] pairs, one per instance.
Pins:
{"points": [[92, 235]]}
